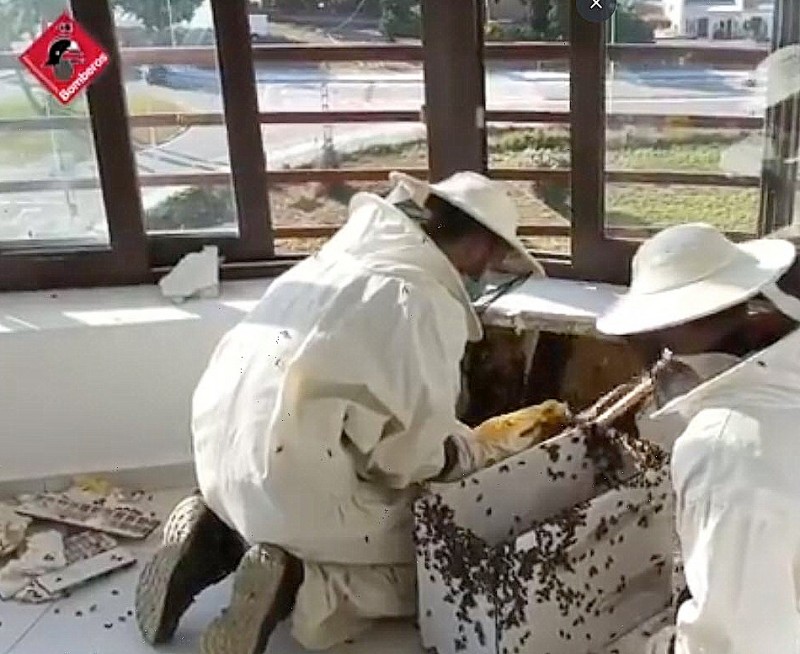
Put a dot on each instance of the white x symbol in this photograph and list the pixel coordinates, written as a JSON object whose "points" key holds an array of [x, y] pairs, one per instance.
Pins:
{"points": [[596, 5]]}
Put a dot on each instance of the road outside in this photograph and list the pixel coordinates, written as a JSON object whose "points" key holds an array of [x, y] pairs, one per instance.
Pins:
{"points": [[65, 213]]}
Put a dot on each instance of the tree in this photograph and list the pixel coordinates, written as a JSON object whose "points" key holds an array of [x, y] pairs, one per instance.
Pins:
{"points": [[538, 15], [558, 20], [193, 208], [369, 8], [158, 16], [629, 27], [22, 18], [400, 18]]}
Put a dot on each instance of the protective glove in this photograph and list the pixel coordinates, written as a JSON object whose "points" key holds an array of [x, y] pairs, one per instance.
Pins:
{"points": [[503, 436]]}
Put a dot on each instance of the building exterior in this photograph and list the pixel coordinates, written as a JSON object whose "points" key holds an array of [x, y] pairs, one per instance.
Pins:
{"points": [[721, 19], [713, 20]]}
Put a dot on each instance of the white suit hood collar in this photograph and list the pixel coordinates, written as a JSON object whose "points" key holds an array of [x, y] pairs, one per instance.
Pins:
{"points": [[770, 376], [382, 238]]}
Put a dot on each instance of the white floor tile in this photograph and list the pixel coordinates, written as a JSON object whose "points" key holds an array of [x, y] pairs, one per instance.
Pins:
{"points": [[95, 620], [15, 620], [98, 619]]}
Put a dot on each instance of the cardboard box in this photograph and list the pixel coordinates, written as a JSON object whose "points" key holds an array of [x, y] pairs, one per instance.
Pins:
{"points": [[540, 555]]}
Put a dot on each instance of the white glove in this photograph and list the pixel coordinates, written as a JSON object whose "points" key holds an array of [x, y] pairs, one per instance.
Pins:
{"points": [[498, 438]]}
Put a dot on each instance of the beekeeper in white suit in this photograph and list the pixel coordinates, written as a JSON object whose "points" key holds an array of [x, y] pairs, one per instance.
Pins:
{"points": [[734, 466], [319, 414]]}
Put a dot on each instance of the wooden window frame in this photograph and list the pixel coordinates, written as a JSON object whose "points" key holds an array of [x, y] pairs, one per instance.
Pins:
{"points": [[455, 114], [124, 260], [779, 180]]}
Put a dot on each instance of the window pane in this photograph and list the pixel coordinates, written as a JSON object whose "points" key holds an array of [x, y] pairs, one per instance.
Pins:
{"points": [[684, 139], [549, 245], [324, 203], [632, 207], [167, 92], [796, 163], [544, 204], [312, 205], [207, 208], [340, 86], [355, 145], [49, 184], [321, 23], [534, 86]]}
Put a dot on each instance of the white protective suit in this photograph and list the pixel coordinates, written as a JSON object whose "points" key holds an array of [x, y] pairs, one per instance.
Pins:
{"points": [[319, 413], [737, 491]]}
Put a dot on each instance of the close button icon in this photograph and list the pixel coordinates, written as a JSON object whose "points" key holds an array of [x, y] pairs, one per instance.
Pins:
{"points": [[596, 11]]}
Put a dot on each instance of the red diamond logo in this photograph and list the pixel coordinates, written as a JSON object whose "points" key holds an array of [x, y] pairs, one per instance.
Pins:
{"points": [[65, 59]]}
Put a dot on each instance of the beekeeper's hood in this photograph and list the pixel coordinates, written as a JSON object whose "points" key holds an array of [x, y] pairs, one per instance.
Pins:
{"points": [[689, 272], [382, 238], [485, 200], [693, 271]]}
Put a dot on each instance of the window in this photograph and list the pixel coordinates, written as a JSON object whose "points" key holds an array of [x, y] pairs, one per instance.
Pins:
{"points": [[175, 106], [42, 148], [241, 125], [335, 120], [782, 137], [67, 187], [528, 119], [684, 137]]}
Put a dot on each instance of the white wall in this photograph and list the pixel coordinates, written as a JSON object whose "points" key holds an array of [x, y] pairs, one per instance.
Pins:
{"points": [[99, 380]]}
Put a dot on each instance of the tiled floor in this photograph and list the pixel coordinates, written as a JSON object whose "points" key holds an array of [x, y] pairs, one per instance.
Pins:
{"points": [[98, 619]]}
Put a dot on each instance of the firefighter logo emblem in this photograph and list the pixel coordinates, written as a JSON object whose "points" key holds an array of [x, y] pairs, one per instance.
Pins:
{"points": [[65, 59]]}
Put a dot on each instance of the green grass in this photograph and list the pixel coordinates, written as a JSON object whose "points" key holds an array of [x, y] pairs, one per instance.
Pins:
{"points": [[29, 146], [658, 205], [689, 158], [653, 205], [639, 205], [25, 147]]}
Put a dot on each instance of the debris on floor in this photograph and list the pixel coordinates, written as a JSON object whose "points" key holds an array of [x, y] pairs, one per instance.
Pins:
{"points": [[85, 570], [35, 594], [63, 540], [119, 520], [87, 544], [13, 528], [96, 485], [43, 552], [195, 275]]}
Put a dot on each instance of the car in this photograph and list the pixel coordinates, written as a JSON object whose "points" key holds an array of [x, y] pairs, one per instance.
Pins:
{"points": [[156, 75]]}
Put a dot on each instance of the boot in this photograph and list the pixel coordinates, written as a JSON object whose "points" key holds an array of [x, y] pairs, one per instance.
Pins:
{"points": [[198, 550], [264, 592]]}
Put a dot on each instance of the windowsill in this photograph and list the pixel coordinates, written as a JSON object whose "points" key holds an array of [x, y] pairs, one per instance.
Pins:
{"points": [[556, 305], [562, 306], [119, 307]]}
